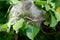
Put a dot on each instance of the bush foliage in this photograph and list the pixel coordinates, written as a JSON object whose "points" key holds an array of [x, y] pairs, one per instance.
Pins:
{"points": [[24, 31]]}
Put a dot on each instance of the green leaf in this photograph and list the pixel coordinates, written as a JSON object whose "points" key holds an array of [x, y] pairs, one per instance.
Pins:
{"points": [[32, 31], [57, 3], [53, 21], [47, 7], [57, 14], [40, 2], [18, 25], [36, 0], [14, 1], [46, 23], [48, 1], [3, 27]]}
